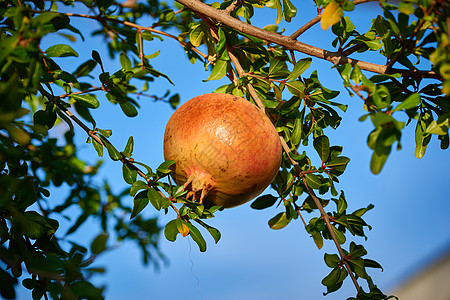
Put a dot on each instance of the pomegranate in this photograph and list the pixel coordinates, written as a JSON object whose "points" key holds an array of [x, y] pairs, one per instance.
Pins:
{"points": [[226, 150]]}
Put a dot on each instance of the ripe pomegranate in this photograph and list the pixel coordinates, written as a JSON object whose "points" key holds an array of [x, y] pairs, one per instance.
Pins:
{"points": [[226, 150]]}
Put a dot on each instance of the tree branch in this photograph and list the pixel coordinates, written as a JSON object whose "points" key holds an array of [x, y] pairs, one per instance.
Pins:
{"points": [[292, 44]]}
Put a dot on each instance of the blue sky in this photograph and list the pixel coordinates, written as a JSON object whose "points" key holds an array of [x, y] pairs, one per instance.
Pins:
{"points": [[251, 261]]}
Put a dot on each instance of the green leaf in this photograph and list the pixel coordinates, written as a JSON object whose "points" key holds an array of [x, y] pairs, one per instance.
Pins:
{"points": [[138, 185], [379, 159], [358, 267], [296, 136], [300, 66], [289, 10], [174, 100], [263, 202], [221, 44], [125, 62], [318, 239], [112, 151], [412, 101], [98, 245], [422, 140], [322, 146], [199, 209], [219, 70], [369, 263], [362, 211], [213, 231], [445, 141], [338, 164], [406, 8], [336, 276], [197, 237], [44, 118], [291, 106], [381, 97], [296, 88], [147, 35], [439, 126], [164, 168], [339, 235], [129, 174], [88, 100], [149, 170], [85, 68], [139, 203], [98, 147], [276, 65], [96, 57], [332, 260], [128, 109], [171, 231], [279, 221], [128, 151], [341, 204], [196, 36], [153, 55], [60, 50], [105, 132], [313, 181], [155, 198]]}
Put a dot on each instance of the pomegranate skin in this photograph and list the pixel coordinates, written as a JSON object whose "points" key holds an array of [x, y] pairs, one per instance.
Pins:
{"points": [[226, 150]]}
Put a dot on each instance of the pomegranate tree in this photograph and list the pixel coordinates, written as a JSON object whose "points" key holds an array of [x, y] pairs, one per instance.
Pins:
{"points": [[226, 150]]}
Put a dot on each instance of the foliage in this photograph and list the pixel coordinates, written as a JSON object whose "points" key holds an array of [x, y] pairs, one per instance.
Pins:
{"points": [[37, 92]]}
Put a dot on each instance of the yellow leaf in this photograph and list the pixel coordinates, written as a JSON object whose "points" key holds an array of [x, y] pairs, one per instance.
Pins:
{"points": [[182, 227], [331, 15]]}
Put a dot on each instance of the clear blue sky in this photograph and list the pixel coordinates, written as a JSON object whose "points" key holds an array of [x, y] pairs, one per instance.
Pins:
{"points": [[252, 261]]}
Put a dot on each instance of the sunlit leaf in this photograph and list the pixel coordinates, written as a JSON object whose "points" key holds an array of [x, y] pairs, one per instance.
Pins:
{"points": [[87, 100], [279, 221], [331, 15], [219, 70]]}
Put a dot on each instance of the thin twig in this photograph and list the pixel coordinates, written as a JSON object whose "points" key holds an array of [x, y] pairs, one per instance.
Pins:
{"points": [[326, 218], [94, 89], [233, 6], [297, 209], [305, 27], [141, 48], [55, 100], [132, 25], [242, 73]]}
